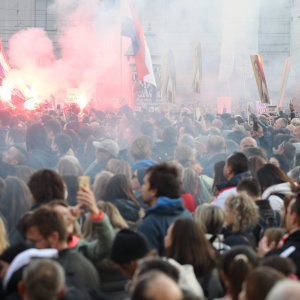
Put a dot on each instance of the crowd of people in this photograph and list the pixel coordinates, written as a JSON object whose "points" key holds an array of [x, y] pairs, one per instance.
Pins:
{"points": [[149, 206]]}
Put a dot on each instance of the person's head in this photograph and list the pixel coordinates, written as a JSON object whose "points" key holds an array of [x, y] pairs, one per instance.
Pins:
{"points": [[190, 181], [280, 123], [241, 212], [255, 151], [141, 148], [42, 279], [69, 166], [128, 247], [211, 218], [215, 144], [163, 265], [236, 265], [271, 239], [251, 187], [62, 143], [259, 282], [156, 285], [255, 163], [45, 186], [283, 265], [295, 122], [100, 184], [280, 161], [199, 254], [235, 164], [247, 142], [269, 175], [106, 149], [36, 138], [15, 156], [119, 166], [296, 132], [66, 212], [292, 219], [184, 154], [53, 128], [46, 228], [119, 187], [15, 202], [285, 290], [161, 180]]}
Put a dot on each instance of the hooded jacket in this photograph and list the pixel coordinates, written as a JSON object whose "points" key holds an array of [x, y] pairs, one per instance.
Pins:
{"points": [[228, 188], [158, 219], [272, 194]]}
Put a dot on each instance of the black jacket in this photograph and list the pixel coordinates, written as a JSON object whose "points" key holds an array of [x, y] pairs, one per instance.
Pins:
{"points": [[290, 249]]}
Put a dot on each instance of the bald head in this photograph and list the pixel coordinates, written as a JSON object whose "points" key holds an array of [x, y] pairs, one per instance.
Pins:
{"points": [[155, 285], [285, 290], [248, 142]]}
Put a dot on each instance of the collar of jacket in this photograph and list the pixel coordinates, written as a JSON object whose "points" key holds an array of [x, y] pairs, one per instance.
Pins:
{"points": [[234, 181], [165, 202]]}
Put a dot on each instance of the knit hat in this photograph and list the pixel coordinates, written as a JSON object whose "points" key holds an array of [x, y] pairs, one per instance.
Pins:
{"points": [[108, 145], [128, 245]]}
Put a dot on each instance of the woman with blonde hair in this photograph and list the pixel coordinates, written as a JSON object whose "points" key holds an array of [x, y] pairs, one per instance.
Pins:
{"points": [[100, 184], [211, 219], [241, 216], [116, 219]]}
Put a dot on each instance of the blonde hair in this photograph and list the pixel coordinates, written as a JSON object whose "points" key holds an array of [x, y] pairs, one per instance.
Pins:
{"points": [[3, 236], [244, 211], [116, 219], [100, 184], [210, 217], [119, 166]]}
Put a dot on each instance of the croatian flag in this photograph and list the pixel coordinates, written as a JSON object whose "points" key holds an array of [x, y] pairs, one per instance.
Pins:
{"points": [[4, 66], [131, 27]]}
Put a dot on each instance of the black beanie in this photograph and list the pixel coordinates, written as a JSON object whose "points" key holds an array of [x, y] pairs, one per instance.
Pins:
{"points": [[128, 245]]}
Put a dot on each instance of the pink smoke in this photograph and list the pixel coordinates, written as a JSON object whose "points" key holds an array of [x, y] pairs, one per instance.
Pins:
{"points": [[91, 59]]}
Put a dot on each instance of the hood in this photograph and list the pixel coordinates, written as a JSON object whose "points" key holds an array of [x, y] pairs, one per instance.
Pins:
{"points": [[167, 206], [281, 188]]}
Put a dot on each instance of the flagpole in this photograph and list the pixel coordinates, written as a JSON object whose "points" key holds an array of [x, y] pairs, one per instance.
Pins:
{"points": [[121, 68]]}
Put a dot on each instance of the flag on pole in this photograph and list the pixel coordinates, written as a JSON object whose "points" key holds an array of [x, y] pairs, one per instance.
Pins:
{"points": [[4, 65], [284, 79], [197, 68], [132, 28], [260, 77], [168, 77]]}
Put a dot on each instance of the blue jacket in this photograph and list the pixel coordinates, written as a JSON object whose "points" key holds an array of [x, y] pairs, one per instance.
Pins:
{"points": [[159, 217]]}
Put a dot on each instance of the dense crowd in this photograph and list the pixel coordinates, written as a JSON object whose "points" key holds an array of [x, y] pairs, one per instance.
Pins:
{"points": [[149, 206]]}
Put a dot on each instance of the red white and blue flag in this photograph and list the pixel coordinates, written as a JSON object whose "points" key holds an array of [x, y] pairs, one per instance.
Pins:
{"points": [[132, 28]]}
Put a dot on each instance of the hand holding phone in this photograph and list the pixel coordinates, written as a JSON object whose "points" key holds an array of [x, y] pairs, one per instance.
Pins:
{"points": [[83, 181], [86, 199]]}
